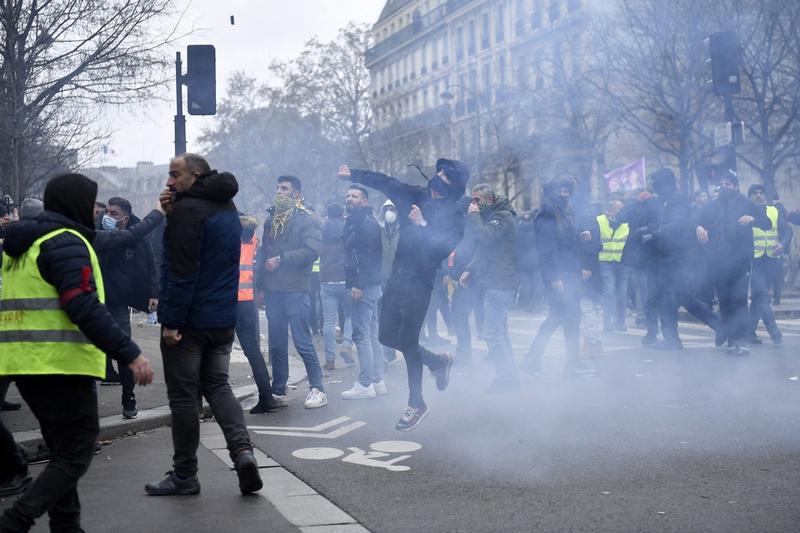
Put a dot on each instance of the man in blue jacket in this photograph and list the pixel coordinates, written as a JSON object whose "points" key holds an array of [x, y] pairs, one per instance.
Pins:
{"points": [[197, 310]]}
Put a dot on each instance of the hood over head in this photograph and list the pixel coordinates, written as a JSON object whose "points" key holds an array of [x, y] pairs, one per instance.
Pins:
{"points": [[216, 186], [31, 208], [458, 175], [73, 196], [664, 181]]}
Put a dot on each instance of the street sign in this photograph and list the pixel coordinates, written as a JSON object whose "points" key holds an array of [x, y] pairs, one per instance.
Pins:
{"points": [[723, 134], [314, 432]]}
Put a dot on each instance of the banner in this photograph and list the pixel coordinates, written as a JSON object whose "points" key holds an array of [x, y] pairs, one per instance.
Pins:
{"points": [[627, 178]]}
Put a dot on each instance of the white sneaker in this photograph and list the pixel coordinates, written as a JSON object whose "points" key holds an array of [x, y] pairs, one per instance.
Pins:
{"points": [[380, 387], [316, 398], [281, 400], [359, 392]]}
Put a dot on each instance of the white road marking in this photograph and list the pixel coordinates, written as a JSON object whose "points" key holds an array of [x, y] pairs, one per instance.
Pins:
{"points": [[318, 454]]}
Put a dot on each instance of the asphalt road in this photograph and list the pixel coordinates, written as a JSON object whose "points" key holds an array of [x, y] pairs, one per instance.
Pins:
{"points": [[659, 441]]}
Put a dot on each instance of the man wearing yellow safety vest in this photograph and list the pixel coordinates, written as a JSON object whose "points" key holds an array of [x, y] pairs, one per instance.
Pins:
{"points": [[768, 247], [54, 334], [613, 273]]}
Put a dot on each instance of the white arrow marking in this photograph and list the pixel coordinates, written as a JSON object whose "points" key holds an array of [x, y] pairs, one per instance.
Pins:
{"points": [[320, 427], [309, 432]]}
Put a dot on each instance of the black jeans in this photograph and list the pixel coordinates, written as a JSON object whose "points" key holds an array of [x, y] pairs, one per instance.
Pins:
{"points": [[122, 316], [760, 308], [12, 462], [248, 332], [66, 408], [564, 309], [404, 305], [731, 282], [674, 292], [198, 364], [466, 300]]}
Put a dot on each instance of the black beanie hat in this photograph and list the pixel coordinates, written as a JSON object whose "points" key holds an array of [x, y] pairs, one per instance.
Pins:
{"points": [[754, 188], [73, 196], [456, 171]]}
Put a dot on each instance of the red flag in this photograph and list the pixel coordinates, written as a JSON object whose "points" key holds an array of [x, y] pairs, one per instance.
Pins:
{"points": [[627, 178]]}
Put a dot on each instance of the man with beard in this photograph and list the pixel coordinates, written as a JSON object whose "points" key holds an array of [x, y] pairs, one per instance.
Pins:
{"points": [[54, 333], [564, 264], [725, 227], [431, 225], [362, 258], [490, 222]]}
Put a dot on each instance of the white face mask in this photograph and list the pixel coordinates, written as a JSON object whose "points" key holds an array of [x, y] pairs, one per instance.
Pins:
{"points": [[390, 217]]}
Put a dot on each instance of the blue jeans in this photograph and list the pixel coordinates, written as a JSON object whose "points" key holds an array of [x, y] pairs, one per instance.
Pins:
{"points": [[333, 295], [496, 303], [365, 336], [614, 279], [290, 310]]}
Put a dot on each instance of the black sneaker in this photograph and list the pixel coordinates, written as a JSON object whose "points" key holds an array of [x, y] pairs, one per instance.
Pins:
{"points": [[247, 469], [737, 349], [673, 345], [172, 485], [442, 374], [10, 406], [348, 359], [776, 338], [649, 339], [16, 485], [265, 405], [753, 339], [719, 337], [129, 410], [411, 418]]}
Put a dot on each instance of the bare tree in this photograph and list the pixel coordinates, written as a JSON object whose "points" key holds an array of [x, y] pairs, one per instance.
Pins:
{"points": [[60, 60], [655, 79], [331, 80], [769, 103]]}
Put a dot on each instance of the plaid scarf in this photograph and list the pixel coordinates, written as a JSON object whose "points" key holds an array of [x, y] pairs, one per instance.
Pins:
{"points": [[284, 208]]}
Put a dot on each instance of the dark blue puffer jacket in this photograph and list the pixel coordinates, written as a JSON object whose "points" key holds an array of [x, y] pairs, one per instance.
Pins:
{"points": [[200, 267]]}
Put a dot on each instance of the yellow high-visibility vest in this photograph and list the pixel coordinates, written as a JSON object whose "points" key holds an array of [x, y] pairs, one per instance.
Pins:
{"points": [[613, 240], [767, 241], [315, 266], [36, 335]]}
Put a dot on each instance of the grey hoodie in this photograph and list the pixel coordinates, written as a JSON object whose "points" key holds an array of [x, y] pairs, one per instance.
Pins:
{"points": [[389, 235]]}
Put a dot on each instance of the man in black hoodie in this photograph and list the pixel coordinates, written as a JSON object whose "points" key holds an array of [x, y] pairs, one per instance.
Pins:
{"points": [[725, 227], [54, 331], [198, 310], [431, 225]]}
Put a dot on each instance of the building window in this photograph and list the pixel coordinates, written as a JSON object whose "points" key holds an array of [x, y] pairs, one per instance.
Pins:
{"points": [[536, 15], [471, 38], [573, 5], [555, 10], [487, 77], [520, 18], [485, 31], [473, 85], [460, 44], [500, 30]]}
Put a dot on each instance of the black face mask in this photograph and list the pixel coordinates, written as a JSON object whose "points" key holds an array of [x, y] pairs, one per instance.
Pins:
{"points": [[441, 188], [726, 194], [561, 201]]}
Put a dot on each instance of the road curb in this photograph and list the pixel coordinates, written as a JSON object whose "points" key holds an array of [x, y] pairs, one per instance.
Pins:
{"points": [[114, 426]]}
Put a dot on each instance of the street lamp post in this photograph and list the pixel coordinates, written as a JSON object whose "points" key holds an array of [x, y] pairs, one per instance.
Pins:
{"points": [[447, 95]]}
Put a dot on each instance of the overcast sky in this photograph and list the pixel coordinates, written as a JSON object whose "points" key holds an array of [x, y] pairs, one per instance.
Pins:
{"points": [[265, 30]]}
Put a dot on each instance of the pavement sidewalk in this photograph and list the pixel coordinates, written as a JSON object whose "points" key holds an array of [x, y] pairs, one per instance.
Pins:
{"points": [[151, 400]]}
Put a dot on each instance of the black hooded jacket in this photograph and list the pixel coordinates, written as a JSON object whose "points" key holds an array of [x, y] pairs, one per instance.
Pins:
{"points": [[64, 262], [562, 255], [363, 249], [731, 243], [494, 265], [421, 250], [202, 243]]}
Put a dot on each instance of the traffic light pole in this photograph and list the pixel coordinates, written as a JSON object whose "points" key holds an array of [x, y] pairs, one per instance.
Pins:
{"points": [[180, 119], [730, 150]]}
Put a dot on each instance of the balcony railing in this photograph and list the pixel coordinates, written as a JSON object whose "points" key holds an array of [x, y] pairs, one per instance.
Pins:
{"points": [[425, 22]]}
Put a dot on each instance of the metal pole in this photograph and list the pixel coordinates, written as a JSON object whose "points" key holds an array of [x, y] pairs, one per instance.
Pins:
{"points": [[478, 137], [730, 150], [180, 119]]}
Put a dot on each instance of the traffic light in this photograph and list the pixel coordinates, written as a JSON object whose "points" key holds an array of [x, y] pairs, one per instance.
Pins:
{"points": [[726, 56], [201, 79]]}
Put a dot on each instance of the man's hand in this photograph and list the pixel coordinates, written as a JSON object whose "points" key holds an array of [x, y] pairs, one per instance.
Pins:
{"points": [[746, 220], [643, 196], [165, 201], [356, 294], [586, 236], [416, 218], [152, 304], [344, 173], [586, 274], [171, 336], [778, 249], [473, 208], [702, 235], [558, 286], [142, 371], [273, 263], [464, 279]]}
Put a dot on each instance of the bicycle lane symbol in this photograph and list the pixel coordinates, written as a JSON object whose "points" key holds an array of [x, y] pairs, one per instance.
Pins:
{"points": [[376, 458]]}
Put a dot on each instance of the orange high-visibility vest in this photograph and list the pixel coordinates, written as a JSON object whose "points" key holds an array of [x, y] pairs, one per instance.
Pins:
{"points": [[247, 261]]}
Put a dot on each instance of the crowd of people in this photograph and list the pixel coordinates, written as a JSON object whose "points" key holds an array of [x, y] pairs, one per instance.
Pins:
{"points": [[369, 280]]}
